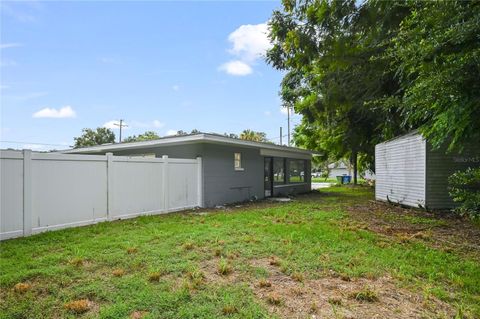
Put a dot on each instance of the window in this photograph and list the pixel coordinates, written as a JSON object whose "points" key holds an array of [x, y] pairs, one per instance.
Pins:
{"points": [[296, 171], [238, 161], [278, 170]]}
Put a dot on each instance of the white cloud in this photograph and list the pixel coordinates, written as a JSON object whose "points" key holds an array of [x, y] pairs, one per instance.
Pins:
{"points": [[4, 87], [249, 43], [176, 87], [7, 62], [236, 67], [171, 132], [9, 45], [113, 124], [267, 113], [284, 110], [35, 147], [64, 112], [157, 124]]}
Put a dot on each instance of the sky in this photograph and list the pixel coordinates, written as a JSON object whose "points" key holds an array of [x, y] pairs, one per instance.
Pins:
{"points": [[160, 66]]}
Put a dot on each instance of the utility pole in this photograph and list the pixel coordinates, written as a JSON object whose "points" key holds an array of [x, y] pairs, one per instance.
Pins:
{"points": [[288, 114], [121, 125], [281, 136]]}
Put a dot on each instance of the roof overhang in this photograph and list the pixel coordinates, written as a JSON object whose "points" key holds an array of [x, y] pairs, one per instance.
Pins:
{"points": [[265, 148]]}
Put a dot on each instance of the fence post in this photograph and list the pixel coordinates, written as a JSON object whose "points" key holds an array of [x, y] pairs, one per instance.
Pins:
{"points": [[199, 182], [109, 185], [165, 182], [27, 192]]}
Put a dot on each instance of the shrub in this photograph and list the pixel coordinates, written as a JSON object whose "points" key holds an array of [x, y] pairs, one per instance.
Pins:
{"points": [[464, 188]]}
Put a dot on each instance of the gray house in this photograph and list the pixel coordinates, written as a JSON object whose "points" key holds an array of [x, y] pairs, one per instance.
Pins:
{"points": [[234, 170], [410, 172]]}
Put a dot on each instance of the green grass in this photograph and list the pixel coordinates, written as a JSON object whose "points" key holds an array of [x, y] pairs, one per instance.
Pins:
{"points": [[308, 236]]}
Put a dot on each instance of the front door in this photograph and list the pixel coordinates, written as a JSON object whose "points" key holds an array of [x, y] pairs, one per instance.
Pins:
{"points": [[268, 176]]}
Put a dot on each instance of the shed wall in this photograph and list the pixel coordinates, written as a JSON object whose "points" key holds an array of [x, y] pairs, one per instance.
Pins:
{"points": [[400, 170], [440, 165]]}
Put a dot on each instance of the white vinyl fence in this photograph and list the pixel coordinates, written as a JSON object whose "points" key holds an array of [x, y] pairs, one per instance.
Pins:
{"points": [[46, 191]]}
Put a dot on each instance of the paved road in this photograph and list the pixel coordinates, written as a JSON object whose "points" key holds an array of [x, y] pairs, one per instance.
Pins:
{"points": [[321, 185]]}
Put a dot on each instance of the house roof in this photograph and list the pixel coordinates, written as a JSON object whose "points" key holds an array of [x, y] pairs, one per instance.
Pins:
{"points": [[186, 139]]}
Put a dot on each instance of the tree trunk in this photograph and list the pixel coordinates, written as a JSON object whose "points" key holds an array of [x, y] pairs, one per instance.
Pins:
{"points": [[355, 168]]}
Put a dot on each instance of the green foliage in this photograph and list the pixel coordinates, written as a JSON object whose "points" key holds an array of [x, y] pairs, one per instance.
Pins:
{"points": [[250, 135], [335, 77], [437, 57], [147, 136], [91, 137], [465, 189]]}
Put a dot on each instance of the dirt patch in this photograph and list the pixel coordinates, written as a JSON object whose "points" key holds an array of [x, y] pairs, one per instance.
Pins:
{"points": [[333, 297], [210, 269], [444, 231]]}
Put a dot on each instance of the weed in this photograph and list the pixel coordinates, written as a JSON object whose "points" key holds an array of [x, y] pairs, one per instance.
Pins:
{"points": [[188, 245], [335, 301], [274, 298], [132, 250], [78, 306], [118, 272], [313, 307], [22, 287], [263, 283], [274, 261], [366, 294], [224, 267], [154, 276], [298, 276], [229, 310], [77, 261]]}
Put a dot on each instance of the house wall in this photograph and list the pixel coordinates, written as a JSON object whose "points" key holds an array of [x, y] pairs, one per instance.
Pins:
{"points": [[400, 170], [222, 184], [440, 165]]}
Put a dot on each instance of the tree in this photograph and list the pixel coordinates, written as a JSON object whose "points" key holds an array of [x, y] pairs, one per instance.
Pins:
{"points": [[337, 75], [437, 57], [250, 135], [147, 136], [91, 137]]}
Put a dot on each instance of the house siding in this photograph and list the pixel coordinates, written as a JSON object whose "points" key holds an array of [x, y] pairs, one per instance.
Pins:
{"points": [[222, 184], [440, 165], [400, 170]]}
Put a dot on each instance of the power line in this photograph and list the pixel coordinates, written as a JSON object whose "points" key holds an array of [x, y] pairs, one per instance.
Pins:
{"points": [[33, 143]]}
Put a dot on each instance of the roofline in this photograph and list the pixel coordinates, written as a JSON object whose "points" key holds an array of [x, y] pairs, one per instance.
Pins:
{"points": [[187, 139], [413, 132]]}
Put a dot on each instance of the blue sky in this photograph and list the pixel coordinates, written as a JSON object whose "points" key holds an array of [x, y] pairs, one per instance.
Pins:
{"points": [[161, 66]]}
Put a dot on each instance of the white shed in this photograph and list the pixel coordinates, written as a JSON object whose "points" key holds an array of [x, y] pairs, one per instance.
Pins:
{"points": [[409, 172]]}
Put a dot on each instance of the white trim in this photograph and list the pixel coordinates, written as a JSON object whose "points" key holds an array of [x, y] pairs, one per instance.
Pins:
{"points": [[196, 138], [239, 169], [42, 229], [11, 234], [287, 154]]}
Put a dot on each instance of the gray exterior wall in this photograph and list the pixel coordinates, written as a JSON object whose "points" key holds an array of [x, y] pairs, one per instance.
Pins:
{"points": [[222, 184], [440, 165], [400, 170]]}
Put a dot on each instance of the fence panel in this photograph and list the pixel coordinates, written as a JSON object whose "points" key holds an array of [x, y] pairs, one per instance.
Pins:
{"points": [[11, 198], [137, 188], [67, 191], [47, 191]]}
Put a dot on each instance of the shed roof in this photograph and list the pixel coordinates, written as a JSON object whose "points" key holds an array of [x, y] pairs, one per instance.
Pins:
{"points": [[186, 139]]}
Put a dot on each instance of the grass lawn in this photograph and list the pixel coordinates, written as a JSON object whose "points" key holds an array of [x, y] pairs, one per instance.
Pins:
{"points": [[336, 254]]}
